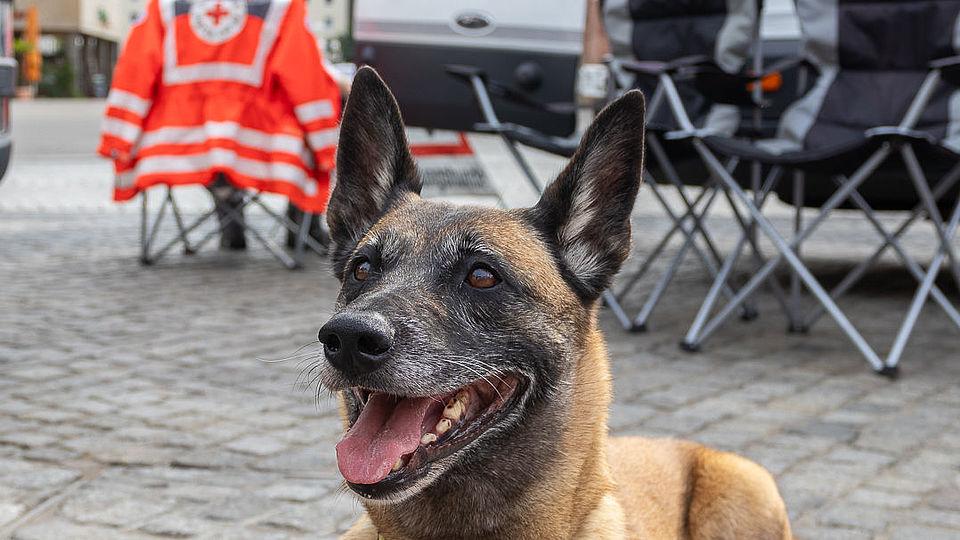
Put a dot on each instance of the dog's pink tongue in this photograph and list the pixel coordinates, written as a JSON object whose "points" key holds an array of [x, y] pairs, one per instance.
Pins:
{"points": [[385, 430]]}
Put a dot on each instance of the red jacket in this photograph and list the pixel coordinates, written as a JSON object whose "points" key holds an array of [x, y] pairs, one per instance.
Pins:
{"points": [[225, 86]]}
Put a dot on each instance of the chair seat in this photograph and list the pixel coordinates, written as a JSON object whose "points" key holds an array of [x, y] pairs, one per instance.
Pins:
{"points": [[842, 156]]}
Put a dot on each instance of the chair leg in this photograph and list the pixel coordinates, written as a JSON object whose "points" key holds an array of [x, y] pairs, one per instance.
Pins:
{"points": [[181, 230], [652, 256], [796, 288], [923, 190], [911, 265], [852, 277], [144, 244], [611, 302], [920, 296], [745, 224], [785, 249], [147, 239]]}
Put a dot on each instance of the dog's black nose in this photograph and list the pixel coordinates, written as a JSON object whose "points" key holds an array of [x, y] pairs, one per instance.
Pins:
{"points": [[356, 343]]}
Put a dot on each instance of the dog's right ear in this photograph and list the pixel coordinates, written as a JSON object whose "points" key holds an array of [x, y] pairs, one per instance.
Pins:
{"points": [[374, 165], [585, 213]]}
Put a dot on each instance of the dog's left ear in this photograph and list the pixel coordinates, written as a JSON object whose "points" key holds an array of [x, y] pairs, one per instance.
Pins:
{"points": [[374, 165], [585, 212]]}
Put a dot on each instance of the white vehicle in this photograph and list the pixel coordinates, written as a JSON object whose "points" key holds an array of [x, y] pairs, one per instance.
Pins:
{"points": [[531, 48]]}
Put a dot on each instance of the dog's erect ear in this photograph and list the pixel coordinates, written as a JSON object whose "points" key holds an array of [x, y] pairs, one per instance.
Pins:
{"points": [[585, 212], [374, 165]]}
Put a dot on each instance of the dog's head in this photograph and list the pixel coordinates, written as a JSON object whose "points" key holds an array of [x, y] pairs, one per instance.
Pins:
{"points": [[458, 328]]}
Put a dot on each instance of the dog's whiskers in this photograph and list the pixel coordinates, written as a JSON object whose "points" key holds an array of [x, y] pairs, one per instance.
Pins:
{"points": [[299, 354], [464, 364]]}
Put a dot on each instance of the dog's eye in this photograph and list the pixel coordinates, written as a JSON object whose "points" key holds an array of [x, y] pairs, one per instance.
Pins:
{"points": [[362, 271], [482, 277]]}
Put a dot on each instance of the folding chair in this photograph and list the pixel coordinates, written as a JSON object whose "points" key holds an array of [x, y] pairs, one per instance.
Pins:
{"points": [[876, 98], [697, 49], [239, 94]]}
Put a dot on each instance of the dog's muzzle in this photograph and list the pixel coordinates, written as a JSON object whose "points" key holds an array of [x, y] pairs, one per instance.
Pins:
{"points": [[356, 343]]}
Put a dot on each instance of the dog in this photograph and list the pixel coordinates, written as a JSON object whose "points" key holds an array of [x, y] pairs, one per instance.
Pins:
{"points": [[473, 379]]}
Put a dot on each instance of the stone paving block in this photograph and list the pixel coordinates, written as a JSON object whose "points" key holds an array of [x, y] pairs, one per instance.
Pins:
{"points": [[108, 505], [15, 407], [251, 533], [917, 532], [177, 525], [825, 430], [10, 511], [244, 507], [624, 415], [832, 533], [156, 436], [846, 454], [27, 439], [38, 371], [942, 518], [295, 490], [206, 458], [947, 498], [53, 416], [776, 459], [680, 422], [115, 452], [895, 482], [724, 440], [40, 478], [59, 529], [929, 464], [258, 445], [311, 460], [53, 454], [90, 406], [883, 498], [224, 431], [867, 518], [816, 400]]}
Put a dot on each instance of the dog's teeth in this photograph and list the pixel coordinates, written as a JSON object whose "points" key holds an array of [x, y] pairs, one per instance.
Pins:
{"points": [[463, 396], [454, 409], [398, 464], [428, 438], [443, 426]]}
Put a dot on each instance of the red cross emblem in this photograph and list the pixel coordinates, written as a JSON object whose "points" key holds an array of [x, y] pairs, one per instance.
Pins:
{"points": [[216, 13]]}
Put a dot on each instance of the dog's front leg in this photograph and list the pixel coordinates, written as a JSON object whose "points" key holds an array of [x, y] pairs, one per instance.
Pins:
{"points": [[363, 529]]}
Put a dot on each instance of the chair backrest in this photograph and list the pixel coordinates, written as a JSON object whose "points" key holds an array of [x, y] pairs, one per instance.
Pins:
{"points": [[872, 57], [665, 30]]}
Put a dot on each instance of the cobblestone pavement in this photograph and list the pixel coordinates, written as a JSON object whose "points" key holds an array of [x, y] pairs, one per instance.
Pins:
{"points": [[175, 400]]}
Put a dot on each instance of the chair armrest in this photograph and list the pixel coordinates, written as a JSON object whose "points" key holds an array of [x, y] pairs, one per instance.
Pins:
{"points": [[949, 69], [560, 146], [465, 72], [655, 67]]}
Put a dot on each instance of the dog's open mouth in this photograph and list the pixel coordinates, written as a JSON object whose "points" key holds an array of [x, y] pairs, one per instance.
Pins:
{"points": [[394, 438]]}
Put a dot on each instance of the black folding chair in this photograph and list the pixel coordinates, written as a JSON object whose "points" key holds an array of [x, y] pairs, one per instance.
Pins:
{"points": [[697, 50], [879, 94]]}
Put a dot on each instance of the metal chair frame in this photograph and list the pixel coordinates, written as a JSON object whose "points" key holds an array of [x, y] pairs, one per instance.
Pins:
{"points": [[895, 139], [150, 254]]}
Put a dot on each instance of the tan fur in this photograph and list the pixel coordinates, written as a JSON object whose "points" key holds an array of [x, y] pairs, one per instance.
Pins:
{"points": [[632, 487]]}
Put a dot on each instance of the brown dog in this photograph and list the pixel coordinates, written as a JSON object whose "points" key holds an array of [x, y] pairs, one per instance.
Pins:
{"points": [[474, 382]]}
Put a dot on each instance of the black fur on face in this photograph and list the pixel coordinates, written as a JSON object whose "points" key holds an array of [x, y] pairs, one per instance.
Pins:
{"points": [[409, 261], [374, 165]]}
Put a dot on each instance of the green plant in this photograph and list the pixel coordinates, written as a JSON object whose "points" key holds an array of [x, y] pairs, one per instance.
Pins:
{"points": [[21, 46], [57, 80]]}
